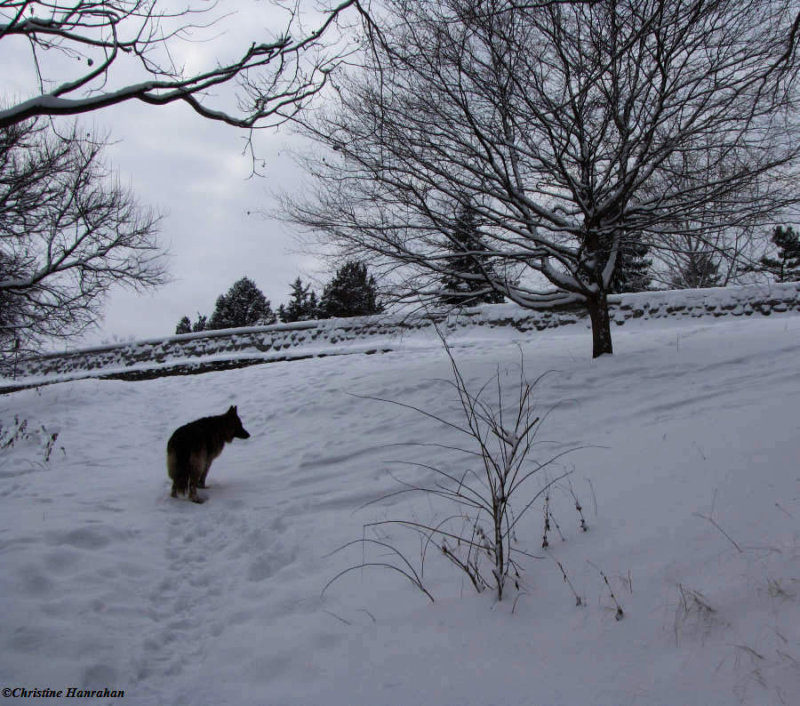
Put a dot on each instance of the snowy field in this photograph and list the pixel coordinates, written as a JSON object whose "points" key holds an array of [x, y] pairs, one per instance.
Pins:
{"points": [[692, 506]]}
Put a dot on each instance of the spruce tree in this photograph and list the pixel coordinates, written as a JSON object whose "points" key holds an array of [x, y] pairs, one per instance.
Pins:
{"points": [[631, 273], [201, 324], [244, 304], [351, 292], [313, 306], [469, 258], [786, 266], [302, 306], [699, 271], [184, 326]]}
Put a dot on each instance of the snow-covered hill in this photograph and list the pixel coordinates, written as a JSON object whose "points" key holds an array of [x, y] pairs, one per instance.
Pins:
{"points": [[690, 485]]}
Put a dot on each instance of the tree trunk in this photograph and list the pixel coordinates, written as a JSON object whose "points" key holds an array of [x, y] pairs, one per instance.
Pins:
{"points": [[601, 325]]}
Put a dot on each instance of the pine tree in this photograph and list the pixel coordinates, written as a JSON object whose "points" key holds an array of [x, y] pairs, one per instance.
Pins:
{"points": [[469, 259], [244, 304], [631, 273], [699, 271], [313, 306], [184, 325], [201, 324], [351, 292], [786, 266], [302, 306]]}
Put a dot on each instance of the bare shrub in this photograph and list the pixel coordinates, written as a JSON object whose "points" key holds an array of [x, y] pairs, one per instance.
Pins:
{"points": [[488, 484], [39, 442]]}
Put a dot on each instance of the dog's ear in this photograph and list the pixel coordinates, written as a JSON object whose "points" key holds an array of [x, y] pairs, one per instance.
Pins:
{"points": [[231, 410]]}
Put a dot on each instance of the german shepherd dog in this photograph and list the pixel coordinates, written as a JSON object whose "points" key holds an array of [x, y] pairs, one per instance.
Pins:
{"points": [[193, 447]]}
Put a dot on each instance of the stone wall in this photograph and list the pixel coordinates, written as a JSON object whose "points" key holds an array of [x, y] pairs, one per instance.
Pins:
{"points": [[214, 350]]}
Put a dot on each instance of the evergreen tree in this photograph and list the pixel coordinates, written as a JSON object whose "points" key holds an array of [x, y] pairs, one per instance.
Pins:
{"points": [[469, 259], [351, 292], [313, 305], [631, 273], [244, 304], [786, 266], [184, 325], [302, 306], [699, 271]]}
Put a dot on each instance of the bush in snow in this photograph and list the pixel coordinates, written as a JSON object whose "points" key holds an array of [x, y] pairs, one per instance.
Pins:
{"points": [[18, 433], [489, 482]]}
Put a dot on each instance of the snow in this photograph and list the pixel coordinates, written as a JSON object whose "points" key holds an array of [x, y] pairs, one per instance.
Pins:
{"points": [[208, 350], [690, 486]]}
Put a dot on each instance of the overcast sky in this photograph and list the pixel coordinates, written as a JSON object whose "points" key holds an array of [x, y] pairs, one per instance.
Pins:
{"points": [[193, 170], [215, 224]]}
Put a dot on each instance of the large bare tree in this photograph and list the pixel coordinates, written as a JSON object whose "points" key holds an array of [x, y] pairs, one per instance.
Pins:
{"points": [[89, 54], [68, 232], [573, 128]]}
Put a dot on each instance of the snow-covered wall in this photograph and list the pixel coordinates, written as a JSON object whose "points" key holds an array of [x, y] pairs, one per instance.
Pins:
{"points": [[215, 350]]}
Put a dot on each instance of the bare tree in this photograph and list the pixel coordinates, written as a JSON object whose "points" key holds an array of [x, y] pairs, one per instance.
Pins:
{"points": [[576, 129], [717, 243], [68, 232], [696, 269], [690, 260], [79, 50]]}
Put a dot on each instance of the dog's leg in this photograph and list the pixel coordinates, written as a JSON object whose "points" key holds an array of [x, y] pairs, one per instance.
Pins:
{"points": [[194, 497], [174, 493], [193, 490], [202, 482]]}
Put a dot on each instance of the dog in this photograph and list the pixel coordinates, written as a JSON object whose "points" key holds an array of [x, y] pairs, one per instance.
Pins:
{"points": [[193, 447]]}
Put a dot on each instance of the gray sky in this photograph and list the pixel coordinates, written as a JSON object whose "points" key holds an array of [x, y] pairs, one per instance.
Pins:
{"points": [[193, 171], [216, 225]]}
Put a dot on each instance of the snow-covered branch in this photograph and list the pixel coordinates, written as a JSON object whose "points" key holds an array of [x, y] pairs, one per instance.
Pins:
{"points": [[272, 78]]}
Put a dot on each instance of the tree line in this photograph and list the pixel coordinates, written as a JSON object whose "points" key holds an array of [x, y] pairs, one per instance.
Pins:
{"points": [[351, 292], [354, 292]]}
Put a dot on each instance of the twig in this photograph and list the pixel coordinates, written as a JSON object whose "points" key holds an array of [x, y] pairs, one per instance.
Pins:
{"points": [[714, 522], [409, 572], [620, 613], [578, 600], [578, 508]]}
